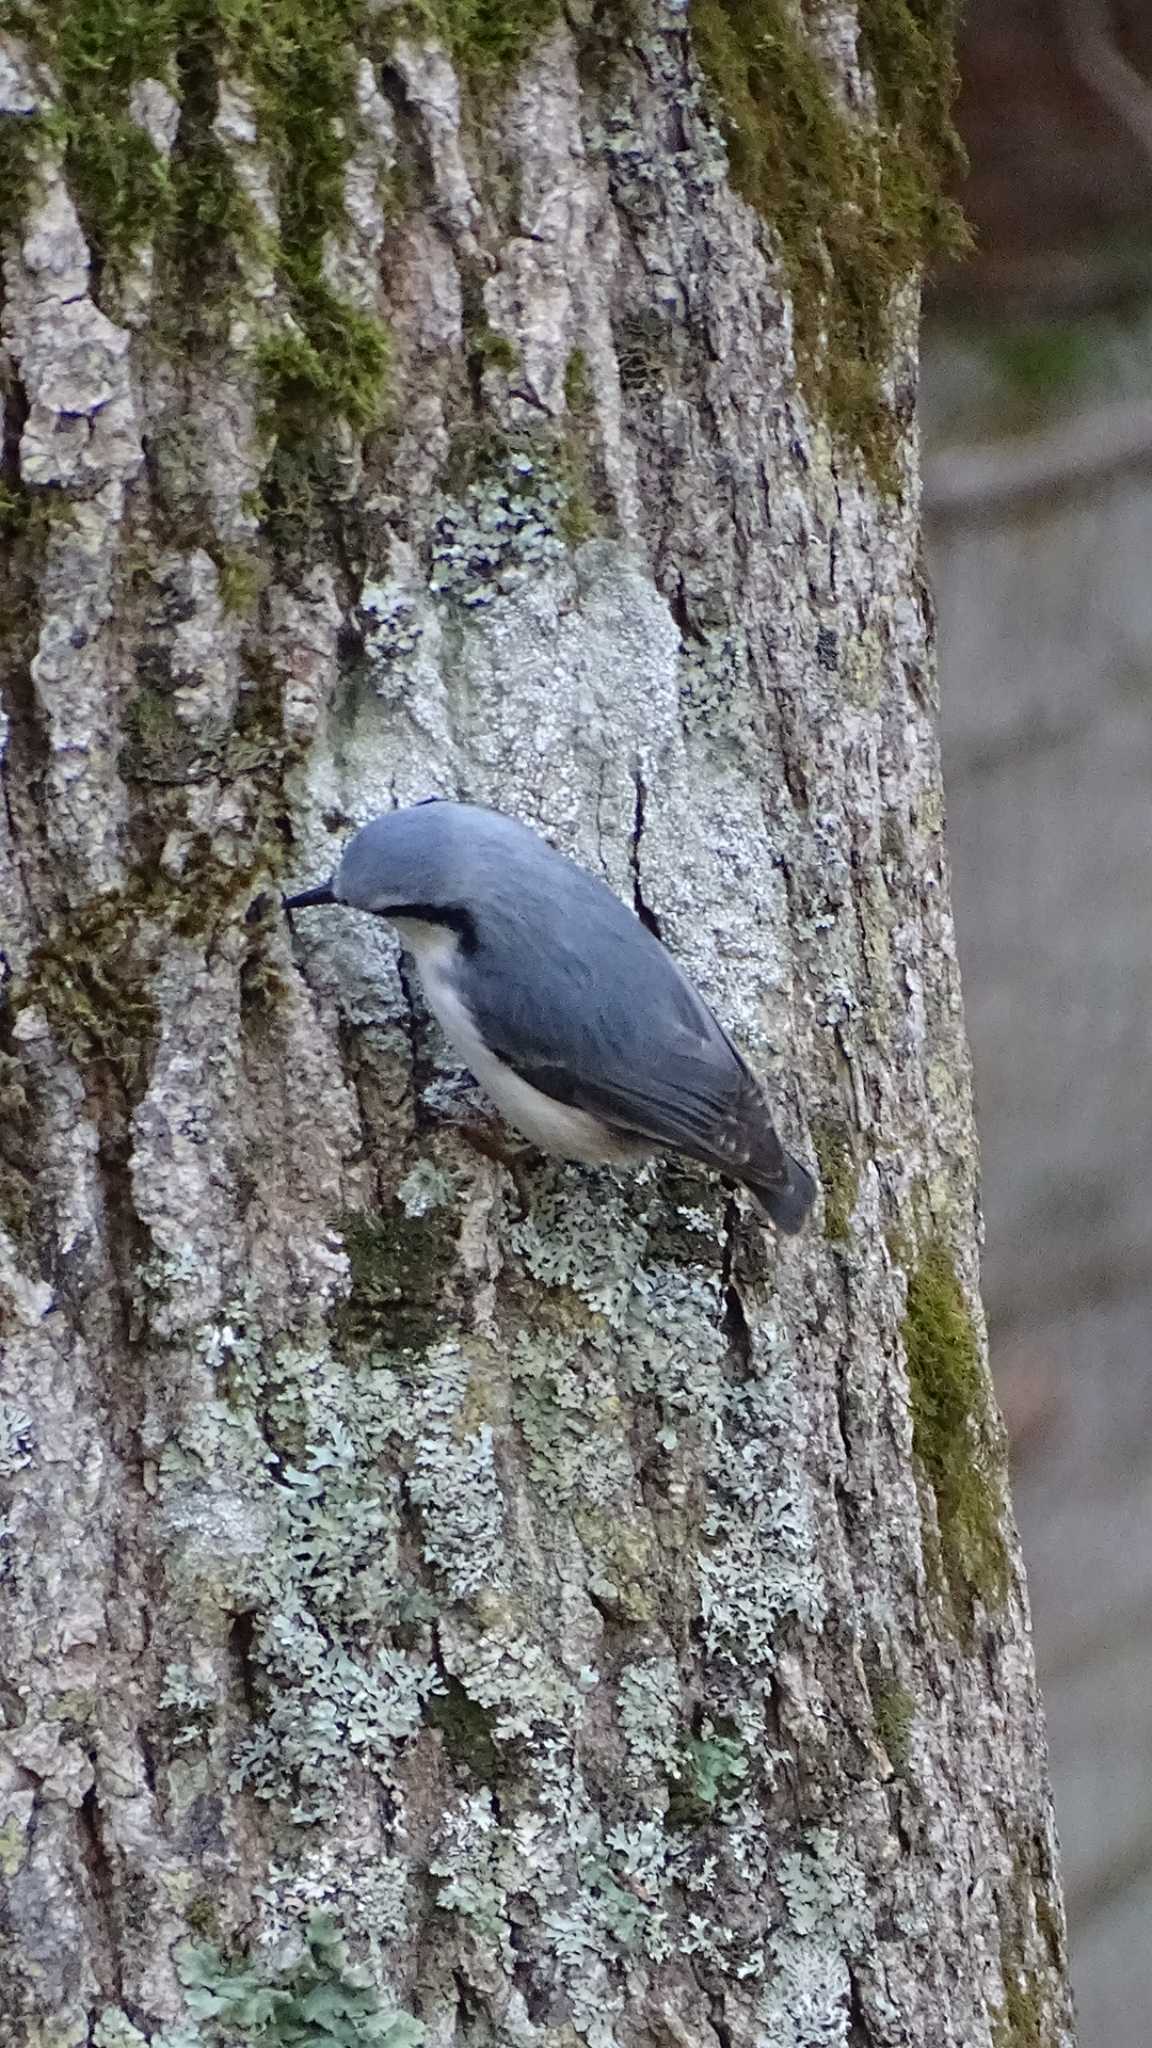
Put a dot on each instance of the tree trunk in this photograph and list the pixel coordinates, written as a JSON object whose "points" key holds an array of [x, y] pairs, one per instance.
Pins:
{"points": [[560, 1611]]}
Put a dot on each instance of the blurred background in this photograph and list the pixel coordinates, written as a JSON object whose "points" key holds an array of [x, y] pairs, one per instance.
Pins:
{"points": [[1037, 410]]}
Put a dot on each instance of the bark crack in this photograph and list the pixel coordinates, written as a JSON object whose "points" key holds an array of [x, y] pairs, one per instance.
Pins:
{"points": [[102, 1888], [643, 910], [736, 1328], [241, 1647], [419, 1062]]}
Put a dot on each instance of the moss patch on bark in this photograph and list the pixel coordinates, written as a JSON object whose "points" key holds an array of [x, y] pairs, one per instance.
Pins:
{"points": [[954, 1434], [855, 198]]}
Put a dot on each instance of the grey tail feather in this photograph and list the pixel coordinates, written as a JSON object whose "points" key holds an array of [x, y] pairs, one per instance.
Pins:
{"points": [[788, 1199]]}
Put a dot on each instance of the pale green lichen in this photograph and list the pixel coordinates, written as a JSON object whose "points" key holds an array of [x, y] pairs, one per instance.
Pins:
{"points": [[367, 1899], [312, 1999], [648, 1706], [453, 1472], [762, 1562], [504, 527], [710, 1767], [568, 1410], [13, 1844], [582, 1235], [427, 1187], [188, 1703], [391, 631], [312, 1440], [114, 2029], [471, 1857]]}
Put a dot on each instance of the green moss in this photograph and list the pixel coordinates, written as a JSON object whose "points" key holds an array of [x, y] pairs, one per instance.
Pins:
{"points": [[465, 1730], [16, 1190], [1022, 2022], [1033, 1980], [487, 38], [92, 973], [336, 363], [579, 518], [202, 1915], [684, 1219], [158, 746], [839, 1177], [161, 750], [263, 985], [488, 349], [578, 396], [856, 205], [97, 51], [329, 359], [953, 1432], [90, 976], [21, 140], [242, 577], [1048, 1922], [893, 1710], [333, 360], [399, 1268], [211, 225], [588, 503], [13, 508]]}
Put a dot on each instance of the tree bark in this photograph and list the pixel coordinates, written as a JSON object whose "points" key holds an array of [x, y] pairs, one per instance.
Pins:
{"points": [[551, 1612]]}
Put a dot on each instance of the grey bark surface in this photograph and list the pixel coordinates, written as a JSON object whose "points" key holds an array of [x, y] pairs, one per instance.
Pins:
{"points": [[547, 1596]]}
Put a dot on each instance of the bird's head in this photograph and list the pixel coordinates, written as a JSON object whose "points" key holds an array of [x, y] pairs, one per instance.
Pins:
{"points": [[423, 861]]}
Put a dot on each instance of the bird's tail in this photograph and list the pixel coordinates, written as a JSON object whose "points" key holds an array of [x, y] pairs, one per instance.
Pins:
{"points": [[787, 1196]]}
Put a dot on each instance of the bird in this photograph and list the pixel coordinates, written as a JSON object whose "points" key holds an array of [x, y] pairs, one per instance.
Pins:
{"points": [[571, 1014]]}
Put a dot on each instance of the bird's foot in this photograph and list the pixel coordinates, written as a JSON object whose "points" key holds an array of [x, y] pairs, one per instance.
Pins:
{"points": [[490, 1141]]}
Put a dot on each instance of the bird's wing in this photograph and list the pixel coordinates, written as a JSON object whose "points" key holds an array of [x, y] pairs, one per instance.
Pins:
{"points": [[734, 1134], [631, 1043]]}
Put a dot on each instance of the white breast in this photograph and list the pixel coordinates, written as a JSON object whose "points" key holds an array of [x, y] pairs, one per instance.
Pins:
{"points": [[570, 1133]]}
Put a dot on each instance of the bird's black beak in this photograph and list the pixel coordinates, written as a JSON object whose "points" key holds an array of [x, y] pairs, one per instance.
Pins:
{"points": [[322, 893]]}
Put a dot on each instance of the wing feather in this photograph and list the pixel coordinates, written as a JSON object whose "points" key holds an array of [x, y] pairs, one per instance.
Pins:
{"points": [[611, 1026]]}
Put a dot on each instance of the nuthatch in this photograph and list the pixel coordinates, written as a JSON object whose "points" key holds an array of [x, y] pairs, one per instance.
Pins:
{"points": [[569, 1012]]}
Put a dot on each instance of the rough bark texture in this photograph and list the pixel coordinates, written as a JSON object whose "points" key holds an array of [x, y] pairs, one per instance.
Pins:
{"points": [[600, 1616]]}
